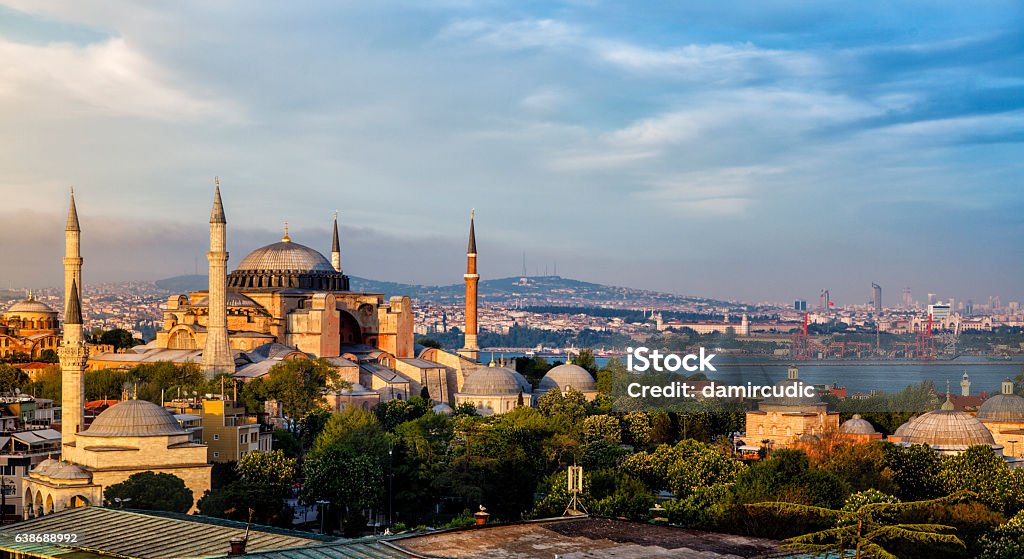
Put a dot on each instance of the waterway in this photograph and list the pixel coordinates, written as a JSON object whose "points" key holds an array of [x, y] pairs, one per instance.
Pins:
{"points": [[860, 375]]}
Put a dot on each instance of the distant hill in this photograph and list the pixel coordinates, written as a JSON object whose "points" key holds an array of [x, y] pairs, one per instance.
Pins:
{"points": [[183, 284], [528, 290]]}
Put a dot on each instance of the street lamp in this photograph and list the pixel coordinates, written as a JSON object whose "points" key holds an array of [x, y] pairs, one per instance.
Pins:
{"points": [[322, 504], [391, 485], [4, 484]]}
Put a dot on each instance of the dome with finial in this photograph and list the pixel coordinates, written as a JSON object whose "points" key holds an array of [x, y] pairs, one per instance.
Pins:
{"points": [[1005, 406], [30, 305], [491, 381], [947, 430], [857, 425], [566, 376], [133, 418], [287, 264]]}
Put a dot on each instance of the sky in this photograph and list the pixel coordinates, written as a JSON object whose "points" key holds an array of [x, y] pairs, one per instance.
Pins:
{"points": [[757, 151]]}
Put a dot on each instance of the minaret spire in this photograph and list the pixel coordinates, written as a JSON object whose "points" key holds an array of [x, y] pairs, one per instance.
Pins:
{"points": [[336, 246], [217, 351], [72, 251], [470, 349], [72, 352]]}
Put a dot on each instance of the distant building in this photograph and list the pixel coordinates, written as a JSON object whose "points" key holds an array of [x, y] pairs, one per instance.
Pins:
{"points": [[227, 430], [876, 297], [939, 311], [783, 422]]}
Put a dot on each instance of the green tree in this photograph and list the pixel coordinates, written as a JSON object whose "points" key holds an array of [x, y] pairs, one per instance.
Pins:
{"points": [[150, 491], [868, 530], [429, 342], [602, 427], [1006, 541], [915, 470], [11, 377], [118, 337], [585, 359], [637, 428], [48, 356], [298, 384], [571, 406], [264, 482]]}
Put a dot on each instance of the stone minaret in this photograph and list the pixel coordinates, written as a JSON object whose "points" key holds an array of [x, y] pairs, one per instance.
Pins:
{"points": [[72, 253], [336, 247], [217, 353], [73, 356], [471, 350]]}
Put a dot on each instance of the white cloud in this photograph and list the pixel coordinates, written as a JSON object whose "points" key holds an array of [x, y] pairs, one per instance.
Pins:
{"points": [[111, 77]]}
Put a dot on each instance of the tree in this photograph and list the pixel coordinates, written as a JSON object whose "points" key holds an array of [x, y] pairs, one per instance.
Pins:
{"points": [[49, 356], [11, 377], [118, 337], [429, 342], [264, 482], [602, 427], [571, 406], [585, 359], [914, 469], [298, 384], [868, 530], [1006, 541], [150, 491]]}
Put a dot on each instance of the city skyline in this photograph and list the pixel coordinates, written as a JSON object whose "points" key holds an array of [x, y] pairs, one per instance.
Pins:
{"points": [[755, 154]]}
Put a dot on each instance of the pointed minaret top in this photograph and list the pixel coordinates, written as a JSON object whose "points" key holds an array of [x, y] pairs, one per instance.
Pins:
{"points": [[73, 315], [472, 233], [31, 295], [335, 244], [948, 404], [73, 214], [217, 215]]}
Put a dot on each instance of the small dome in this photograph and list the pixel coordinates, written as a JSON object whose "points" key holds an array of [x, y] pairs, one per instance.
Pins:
{"points": [[133, 418], [947, 430], [1002, 407], [43, 467], [285, 256], [491, 381], [443, 409], [809, 438], [902, 429], [857, 426], [564, 377], [30, 305]]}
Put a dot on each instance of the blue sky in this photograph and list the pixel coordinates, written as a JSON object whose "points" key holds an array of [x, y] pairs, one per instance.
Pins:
{"points": [[749, 150]]}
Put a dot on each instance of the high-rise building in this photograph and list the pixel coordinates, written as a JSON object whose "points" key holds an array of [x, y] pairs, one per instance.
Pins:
{"points": [[908, 299], [876, 297], [800, 305]]}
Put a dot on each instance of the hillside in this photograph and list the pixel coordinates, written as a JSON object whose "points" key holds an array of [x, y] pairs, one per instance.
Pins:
{"points": [[512, 290]]}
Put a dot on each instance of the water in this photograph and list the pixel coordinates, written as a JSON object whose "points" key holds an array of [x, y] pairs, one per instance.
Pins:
{"points": [[858, 376]]}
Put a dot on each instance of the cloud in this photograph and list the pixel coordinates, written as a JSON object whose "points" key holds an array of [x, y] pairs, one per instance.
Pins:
{"points": [[110, 77]]}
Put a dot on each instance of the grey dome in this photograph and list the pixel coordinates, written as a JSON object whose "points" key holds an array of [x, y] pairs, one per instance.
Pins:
{"points": [[523, 383], [902, 429], [285, 256], [443, 409], [857, 425], [133, 418], [491, 381], [947, 430], [1002, 407], [564, 377]]}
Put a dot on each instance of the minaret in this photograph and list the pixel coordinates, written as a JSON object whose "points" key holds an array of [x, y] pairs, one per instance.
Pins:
{"points": [[965, 385], [217, 353], [336, 247], [73, 356], [72, 252], [471, 350]]}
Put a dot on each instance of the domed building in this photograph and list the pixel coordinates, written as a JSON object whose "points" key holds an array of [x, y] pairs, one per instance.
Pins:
{"points": [[947, 431], [127, 438], [858, 430], [568, 376], [1003, 416], [783, 419], [492, 390], [30, 327]]}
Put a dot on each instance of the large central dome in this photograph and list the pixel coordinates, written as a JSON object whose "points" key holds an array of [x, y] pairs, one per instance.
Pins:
{"points": [[286, 265], [286, 256]]}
